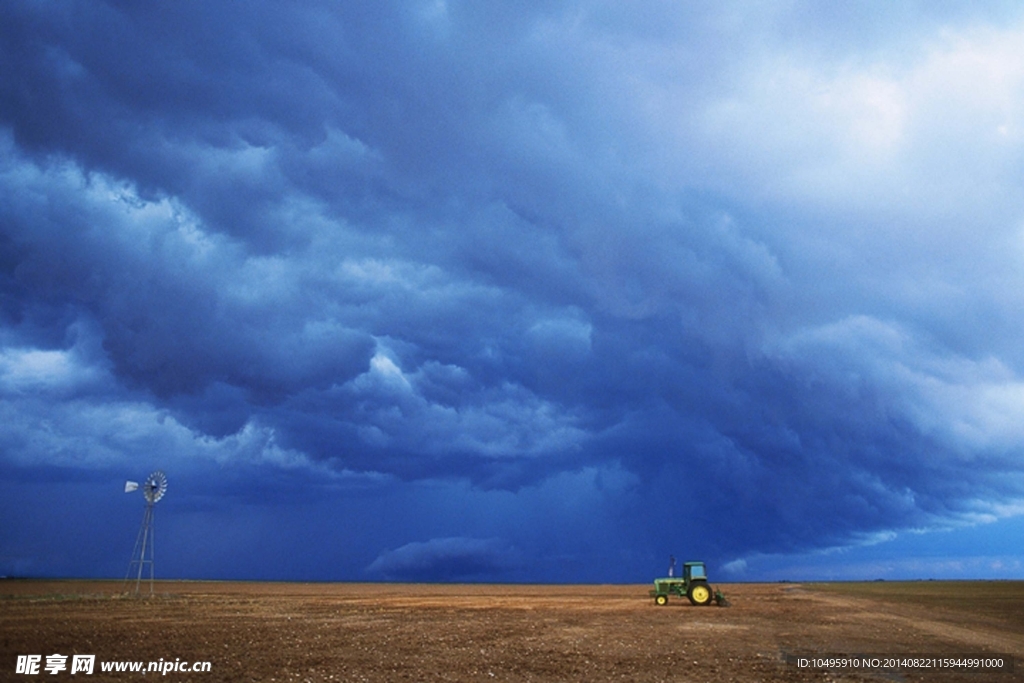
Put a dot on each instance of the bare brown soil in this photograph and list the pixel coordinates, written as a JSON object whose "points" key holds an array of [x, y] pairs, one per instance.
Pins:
{"points": [[394, 632]]}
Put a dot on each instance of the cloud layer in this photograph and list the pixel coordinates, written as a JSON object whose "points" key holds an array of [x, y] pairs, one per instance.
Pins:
{"points": [[597, 284]]}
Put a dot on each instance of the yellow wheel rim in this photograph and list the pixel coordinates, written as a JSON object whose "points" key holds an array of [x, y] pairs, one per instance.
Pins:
{"points": [[701, 594], [661, 600]]}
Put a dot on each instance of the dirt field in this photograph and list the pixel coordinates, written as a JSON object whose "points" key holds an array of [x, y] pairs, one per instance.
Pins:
{"points": [[390, 632]]}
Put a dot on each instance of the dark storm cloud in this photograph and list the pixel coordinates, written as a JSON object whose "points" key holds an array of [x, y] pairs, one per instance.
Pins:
{"points": [[446, 559], [566, 262]]}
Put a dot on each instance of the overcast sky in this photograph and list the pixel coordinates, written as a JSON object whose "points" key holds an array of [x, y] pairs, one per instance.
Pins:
{"points": [[534, 291]]}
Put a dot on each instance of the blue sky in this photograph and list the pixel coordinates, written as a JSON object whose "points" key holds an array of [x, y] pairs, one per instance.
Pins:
{"points": [[535, 292]]}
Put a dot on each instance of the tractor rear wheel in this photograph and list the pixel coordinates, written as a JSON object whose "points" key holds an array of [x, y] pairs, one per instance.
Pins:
{"points": [[699, 593], [661, 600]]}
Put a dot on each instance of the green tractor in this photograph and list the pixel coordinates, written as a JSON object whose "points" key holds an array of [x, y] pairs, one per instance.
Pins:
{"points": [[693, 585]]}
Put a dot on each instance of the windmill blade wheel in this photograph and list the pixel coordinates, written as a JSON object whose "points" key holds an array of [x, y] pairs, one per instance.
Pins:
{"points": [[155, 487]]}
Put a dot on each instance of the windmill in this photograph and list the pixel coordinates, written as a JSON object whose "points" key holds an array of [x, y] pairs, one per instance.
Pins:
{"points": [[153, 489]]}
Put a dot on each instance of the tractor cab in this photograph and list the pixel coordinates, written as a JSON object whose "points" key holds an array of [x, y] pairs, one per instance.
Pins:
{"points": [[694, 571]]}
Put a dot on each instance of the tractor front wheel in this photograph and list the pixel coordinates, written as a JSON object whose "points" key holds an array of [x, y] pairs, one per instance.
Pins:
{"points": [[699, 594], [661, 600]]}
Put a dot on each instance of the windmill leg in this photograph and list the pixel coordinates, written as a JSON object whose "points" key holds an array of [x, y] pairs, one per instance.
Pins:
{"points": [[147, 523], [152, 550]]}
